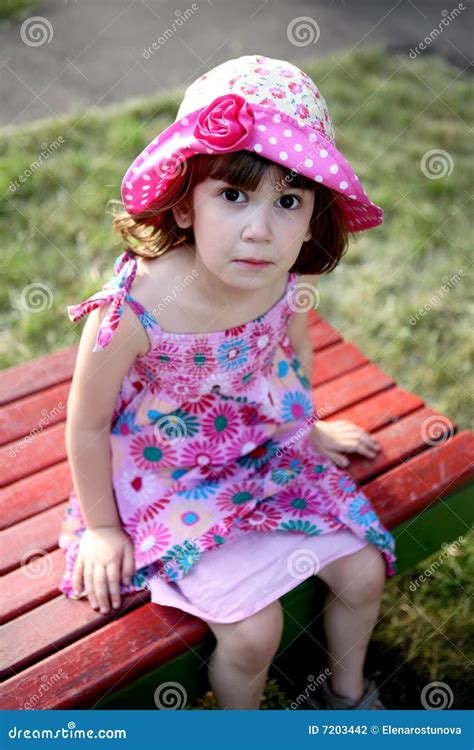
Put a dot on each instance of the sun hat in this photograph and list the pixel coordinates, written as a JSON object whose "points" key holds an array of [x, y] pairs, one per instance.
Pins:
{"points": [[266, 106]]}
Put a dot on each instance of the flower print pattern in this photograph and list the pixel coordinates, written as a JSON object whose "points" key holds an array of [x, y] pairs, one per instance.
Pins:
{"points": [[296, 406], [138, 487], [199, 447], [221, 423], [299, 500], [149, 453], [238, 495], [125, 424], [289, 467], [151, 540], [360, 511], [233, 353], [265, 518]]}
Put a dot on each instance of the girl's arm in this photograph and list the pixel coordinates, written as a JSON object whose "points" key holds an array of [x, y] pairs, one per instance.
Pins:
{"points": [[94, 391], [106, 553]]}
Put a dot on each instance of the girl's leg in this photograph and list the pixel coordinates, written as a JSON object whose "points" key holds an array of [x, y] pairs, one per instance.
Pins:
{"points": [[351, 608], [239, 664]]}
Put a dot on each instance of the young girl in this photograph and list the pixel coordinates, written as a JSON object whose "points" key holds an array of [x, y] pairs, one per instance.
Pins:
{"points": [[200, 469]]}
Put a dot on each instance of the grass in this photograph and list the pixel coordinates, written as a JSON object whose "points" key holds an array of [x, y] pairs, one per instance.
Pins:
{"points": [[389, 111], [57, 232], [16, 10]]}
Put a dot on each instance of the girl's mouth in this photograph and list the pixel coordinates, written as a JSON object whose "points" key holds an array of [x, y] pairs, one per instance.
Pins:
{"points": [[254, 263]]}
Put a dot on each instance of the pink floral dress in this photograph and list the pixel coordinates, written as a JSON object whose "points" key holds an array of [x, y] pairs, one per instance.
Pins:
{"points": [[210, 448]]}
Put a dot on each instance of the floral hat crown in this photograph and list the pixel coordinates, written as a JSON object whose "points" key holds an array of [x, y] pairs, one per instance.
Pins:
{"points": [[266, 106]]}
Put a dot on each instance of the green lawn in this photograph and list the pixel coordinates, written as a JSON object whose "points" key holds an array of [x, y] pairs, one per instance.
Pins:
{"points": [[17, 9], [389, 112]]}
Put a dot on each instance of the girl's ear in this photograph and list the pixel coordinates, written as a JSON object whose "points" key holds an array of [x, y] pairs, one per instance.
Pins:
{"points": [[307, 236], [182, 214]]}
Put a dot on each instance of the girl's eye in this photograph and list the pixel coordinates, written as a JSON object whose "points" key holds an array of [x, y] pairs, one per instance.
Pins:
{"points": [[287, 199], [232, 194]]}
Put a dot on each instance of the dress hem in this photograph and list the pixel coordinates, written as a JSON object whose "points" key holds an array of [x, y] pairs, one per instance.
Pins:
{"points": [[243, 614]]}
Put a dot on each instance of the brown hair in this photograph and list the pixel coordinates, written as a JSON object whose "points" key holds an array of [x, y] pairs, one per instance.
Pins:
{"points": [[155, 229]]}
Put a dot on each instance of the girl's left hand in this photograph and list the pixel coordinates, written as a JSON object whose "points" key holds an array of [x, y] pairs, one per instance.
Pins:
{"points": [[342, 436]]}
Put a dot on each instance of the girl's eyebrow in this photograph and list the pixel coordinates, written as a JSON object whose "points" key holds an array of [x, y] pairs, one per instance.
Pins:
{"points": [[282, 190]]}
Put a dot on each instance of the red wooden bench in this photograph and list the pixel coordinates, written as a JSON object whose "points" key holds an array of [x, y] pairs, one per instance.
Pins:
{"points": [[62, 654]]}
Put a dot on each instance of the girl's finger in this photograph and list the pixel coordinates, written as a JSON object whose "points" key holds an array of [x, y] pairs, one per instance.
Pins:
{"points": [[77, 574], [339, 459], [113, 576], [366, 446], [101, 588], [128, 565], [89, 584]]}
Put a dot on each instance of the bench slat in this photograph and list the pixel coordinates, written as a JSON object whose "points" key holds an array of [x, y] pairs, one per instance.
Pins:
{"points": [[32, 414], [322, 334], [335, 360], [21, 593], [349, 388], [31, 377], [46, 449], [107, 660], [381, 408], [34, 494], [40, 532], [407, 489], [400, 441], [120, 647]]}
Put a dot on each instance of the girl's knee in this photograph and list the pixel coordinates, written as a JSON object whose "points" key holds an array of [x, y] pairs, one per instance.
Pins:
{"points": [[252, 643], [360, 577]]}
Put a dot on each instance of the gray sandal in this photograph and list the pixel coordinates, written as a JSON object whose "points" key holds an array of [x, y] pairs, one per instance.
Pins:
{"points": [[369, 700]]}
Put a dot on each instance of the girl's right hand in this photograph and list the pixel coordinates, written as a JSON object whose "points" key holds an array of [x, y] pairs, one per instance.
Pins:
{"points": [[106, 556]]}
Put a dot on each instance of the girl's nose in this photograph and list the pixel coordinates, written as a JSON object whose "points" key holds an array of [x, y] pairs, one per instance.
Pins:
{"points": [[257, 225]]}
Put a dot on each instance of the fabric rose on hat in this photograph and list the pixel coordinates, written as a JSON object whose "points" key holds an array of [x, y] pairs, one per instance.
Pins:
{"points": [[226, 124]]}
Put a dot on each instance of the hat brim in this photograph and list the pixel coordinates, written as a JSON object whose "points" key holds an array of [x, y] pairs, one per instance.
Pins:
{"points": [[276, 136]]}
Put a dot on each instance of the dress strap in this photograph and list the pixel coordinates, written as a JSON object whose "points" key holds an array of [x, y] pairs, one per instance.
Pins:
{"points": [[115, 291]]}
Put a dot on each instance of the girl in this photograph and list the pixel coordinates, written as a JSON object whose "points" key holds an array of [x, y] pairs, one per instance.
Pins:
{"points": [[200, 469]]}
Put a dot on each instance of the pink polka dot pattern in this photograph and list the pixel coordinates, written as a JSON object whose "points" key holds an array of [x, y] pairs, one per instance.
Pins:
{"points": [[275, 110]]}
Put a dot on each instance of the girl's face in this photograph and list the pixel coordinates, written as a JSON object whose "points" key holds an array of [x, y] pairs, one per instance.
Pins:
{"points": [[230, 225]]}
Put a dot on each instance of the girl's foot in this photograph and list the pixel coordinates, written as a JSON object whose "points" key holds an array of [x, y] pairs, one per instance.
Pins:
{"points": [[326, 699]]}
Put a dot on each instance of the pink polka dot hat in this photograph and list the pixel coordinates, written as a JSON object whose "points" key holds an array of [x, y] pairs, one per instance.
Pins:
{"points": [[265, 106]]}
